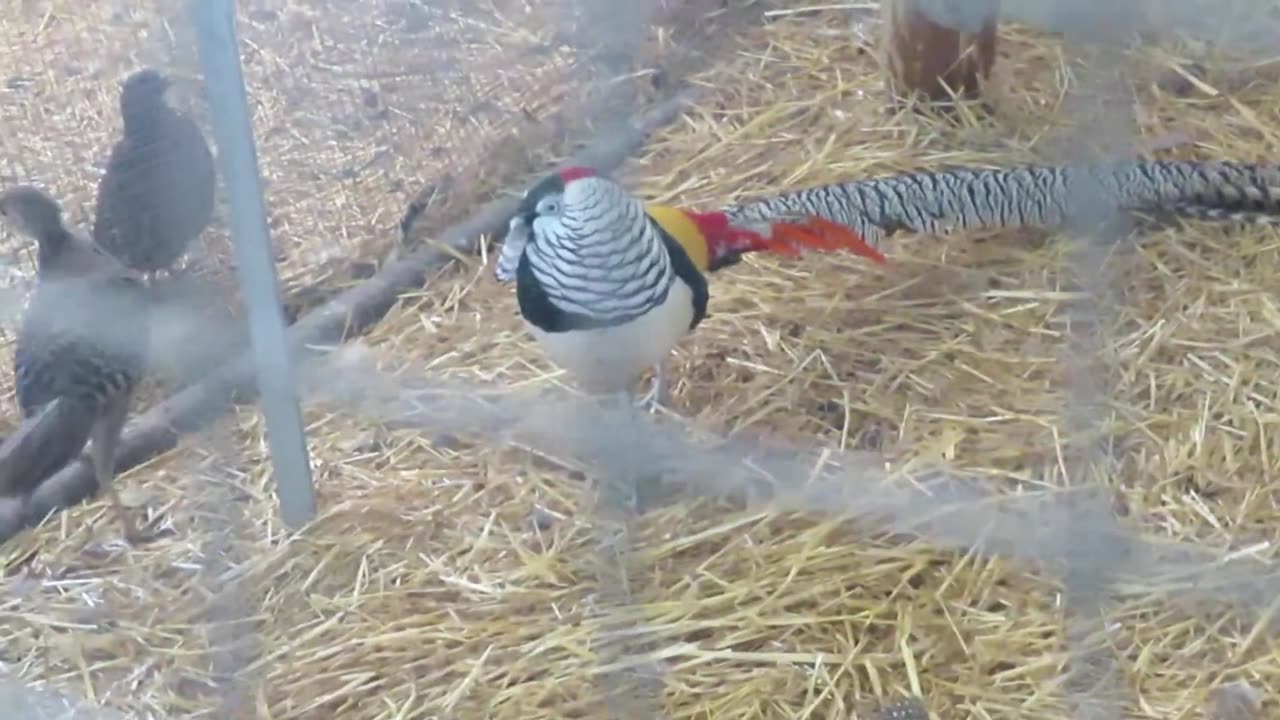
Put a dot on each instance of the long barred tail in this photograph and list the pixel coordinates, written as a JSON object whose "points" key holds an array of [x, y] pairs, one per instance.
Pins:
{"points": [[1035, 196]]}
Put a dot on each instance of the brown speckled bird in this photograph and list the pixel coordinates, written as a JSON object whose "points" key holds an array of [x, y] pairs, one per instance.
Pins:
{"points": [[81, 350], [157, 194]]}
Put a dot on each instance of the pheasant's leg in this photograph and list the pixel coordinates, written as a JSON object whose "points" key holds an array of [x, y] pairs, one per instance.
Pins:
{"points": [[656, 398], [102, 452]]}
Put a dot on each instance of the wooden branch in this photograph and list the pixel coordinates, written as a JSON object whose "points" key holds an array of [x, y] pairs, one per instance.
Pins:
{"points": [[938, 48], [344, 317]]}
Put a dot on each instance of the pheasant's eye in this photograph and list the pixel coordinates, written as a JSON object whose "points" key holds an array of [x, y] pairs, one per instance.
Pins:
{"points": [[549, 206]]}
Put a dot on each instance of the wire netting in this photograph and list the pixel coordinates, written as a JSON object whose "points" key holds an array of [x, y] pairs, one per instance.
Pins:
{"points": [[1032, 480]]}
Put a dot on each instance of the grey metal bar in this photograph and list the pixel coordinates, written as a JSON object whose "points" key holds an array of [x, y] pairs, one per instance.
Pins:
{"points": [[214, 24]]}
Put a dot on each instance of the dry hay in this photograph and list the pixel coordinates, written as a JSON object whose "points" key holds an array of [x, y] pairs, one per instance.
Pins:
{"points": [[425, 589]]}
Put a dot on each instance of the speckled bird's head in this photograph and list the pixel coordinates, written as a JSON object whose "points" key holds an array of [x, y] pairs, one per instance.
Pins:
{"points": [[144, 87], [545, 200], [30, 210]]}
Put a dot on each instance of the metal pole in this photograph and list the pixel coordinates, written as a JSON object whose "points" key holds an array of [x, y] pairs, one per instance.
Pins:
{"points": [[214, 23]]}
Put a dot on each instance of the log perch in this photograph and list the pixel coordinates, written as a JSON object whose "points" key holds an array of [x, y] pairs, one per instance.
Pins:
{"points": [[344, 317], [940, 49]]}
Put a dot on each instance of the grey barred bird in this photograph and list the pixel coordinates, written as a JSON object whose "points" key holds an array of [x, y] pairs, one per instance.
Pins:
{"points": [[80, 352], [960, 199], [157, 194], [608, 285]]}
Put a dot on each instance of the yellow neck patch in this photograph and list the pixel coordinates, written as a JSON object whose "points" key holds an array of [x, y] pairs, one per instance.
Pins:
{"points": [[685, 231]]}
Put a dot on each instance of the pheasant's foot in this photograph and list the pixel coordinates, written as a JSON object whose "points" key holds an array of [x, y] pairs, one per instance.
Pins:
{"points": [[656, 398]]}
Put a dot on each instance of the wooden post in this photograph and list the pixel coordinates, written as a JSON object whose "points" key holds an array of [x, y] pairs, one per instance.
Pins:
{"points": [[939, 48]]}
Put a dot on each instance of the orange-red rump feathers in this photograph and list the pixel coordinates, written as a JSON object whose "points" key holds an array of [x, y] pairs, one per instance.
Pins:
{"points": [[819, 234], [727, 242]]}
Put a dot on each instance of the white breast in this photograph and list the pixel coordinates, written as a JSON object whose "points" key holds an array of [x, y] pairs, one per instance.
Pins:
{"points": [[608, 360]]}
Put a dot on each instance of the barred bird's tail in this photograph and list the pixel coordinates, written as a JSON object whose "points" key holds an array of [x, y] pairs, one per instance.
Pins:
{"points": [[1033, 196]]}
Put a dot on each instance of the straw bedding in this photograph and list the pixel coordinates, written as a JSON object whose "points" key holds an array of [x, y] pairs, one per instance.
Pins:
{"points": [[449, 579]]}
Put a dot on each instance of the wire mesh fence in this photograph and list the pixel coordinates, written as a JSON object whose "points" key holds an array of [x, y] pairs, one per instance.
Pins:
{"points": [[1028, 480]]}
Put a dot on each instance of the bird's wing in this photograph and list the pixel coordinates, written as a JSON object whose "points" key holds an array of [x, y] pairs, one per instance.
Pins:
{"points": [[85, 290], [109, 186]]}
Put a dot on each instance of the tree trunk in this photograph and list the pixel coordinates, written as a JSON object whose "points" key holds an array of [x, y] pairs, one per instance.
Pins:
{"points": [[941, 49]]}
